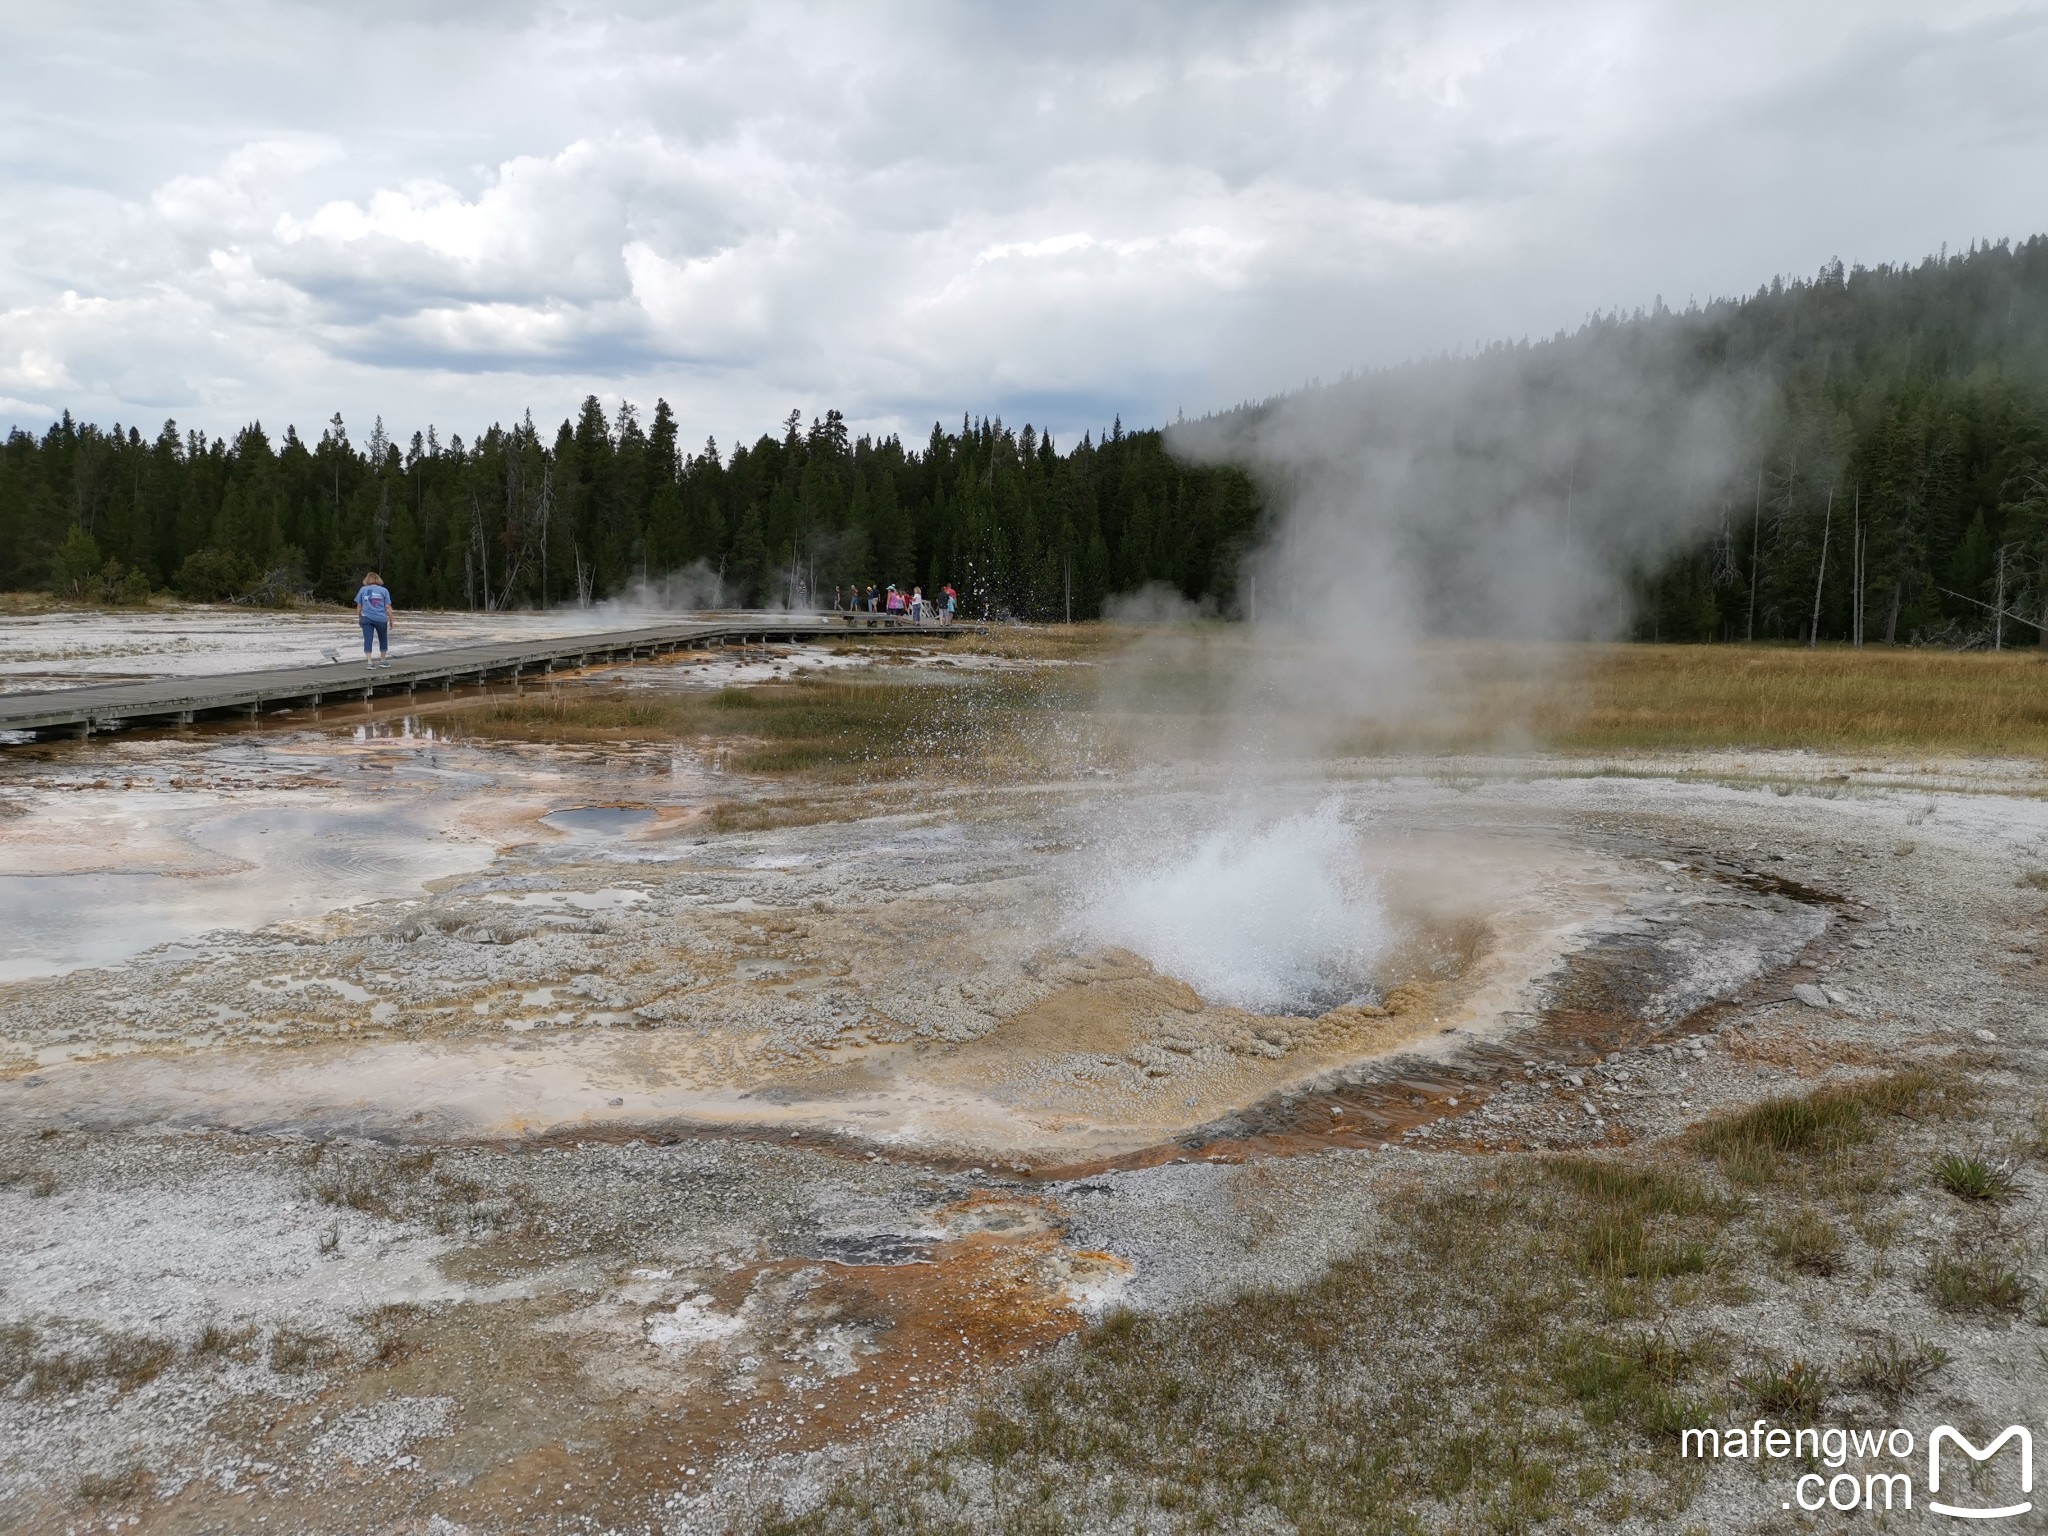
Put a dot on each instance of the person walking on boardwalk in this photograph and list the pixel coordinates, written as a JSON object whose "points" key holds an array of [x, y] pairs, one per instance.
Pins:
{"points": [[373, 607]]}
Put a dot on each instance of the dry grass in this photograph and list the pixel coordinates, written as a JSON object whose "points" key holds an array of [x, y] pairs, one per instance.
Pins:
{"points": [[295, 1349], [1627, 697], [1022, 642], [1465, 1373], [1173, 685], [35, 1362], [1979, 1280], [1599, 698], [1806, 1240], [1893, 1370], [858, 729], [104, 1487]]}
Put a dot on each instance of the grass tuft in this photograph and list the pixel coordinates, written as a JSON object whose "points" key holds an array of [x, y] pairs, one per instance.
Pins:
{"points": [[293, 1350], [132, 1359], [1980, 1281], [1796, 1392], [108, 1487], [1892, 1370], [1972, 1178], [1642, 1190], [1806, 1240]]}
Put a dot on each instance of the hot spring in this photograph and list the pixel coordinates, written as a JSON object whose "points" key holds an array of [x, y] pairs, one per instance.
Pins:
{"points": [[1276, 916]]}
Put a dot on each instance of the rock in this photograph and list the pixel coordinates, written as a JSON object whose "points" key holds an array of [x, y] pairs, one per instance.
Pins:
{"points": [[1807, 993], [1838, 998], [1984, 1036]]}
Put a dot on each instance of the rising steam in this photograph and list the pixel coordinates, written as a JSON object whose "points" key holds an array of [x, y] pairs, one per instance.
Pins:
{"points": [[1509, 496], [1274, 915]]}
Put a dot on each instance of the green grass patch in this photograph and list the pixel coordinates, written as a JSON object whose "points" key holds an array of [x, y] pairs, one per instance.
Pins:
{"points": [[1751, 1145], [1982, 1281], [1649, 1381], [1972, 1178]]}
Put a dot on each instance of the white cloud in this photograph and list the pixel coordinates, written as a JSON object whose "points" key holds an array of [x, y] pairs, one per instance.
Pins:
{"points": [[907, 210]]}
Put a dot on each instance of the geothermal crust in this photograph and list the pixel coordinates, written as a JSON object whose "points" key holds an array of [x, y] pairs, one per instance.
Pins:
{"points": [[912, 982], [450, 1204]]}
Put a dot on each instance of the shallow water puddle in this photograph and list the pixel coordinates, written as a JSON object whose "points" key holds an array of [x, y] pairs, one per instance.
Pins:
{"points": [[600, 821], [276, 863]]}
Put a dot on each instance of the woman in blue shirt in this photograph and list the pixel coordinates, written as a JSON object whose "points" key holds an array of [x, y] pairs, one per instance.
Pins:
{"points": [[373, 607]]}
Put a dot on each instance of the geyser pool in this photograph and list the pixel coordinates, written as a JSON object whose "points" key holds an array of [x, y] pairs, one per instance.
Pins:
{"points": [[1278, 916], [600, 820]]}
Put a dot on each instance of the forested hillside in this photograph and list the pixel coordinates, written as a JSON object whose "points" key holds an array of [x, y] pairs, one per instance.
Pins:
{"points": [[513, 519], [1903, 432], [1912, 409], [1878, 464]]}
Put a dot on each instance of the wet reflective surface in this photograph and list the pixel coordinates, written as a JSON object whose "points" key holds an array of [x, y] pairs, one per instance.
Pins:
{"points": [[277, 863], [596, 821]]}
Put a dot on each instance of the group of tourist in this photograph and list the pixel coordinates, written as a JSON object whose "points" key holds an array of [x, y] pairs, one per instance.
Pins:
{"points": [[373, 607], [941, 608]]}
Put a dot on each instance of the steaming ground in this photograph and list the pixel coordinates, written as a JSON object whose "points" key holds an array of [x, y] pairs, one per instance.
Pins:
{"points": [[623, 1173], [915, 982]]}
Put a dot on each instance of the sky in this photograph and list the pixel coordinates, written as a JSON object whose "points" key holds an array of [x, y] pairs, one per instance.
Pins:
{"points": [[452, 212]]}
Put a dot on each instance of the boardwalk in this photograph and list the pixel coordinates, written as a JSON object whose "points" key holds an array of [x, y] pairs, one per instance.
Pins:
{"points": [[181, 700]]}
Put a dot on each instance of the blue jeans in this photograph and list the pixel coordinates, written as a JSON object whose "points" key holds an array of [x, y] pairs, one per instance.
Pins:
{"points": [[378, 630]]}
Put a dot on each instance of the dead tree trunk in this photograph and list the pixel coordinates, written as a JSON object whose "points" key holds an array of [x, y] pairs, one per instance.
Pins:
{"points": [[1998, 605], [1756, 523], [1826, 525]]}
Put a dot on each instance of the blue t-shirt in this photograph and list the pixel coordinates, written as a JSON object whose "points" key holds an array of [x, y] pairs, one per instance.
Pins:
{"points": [[374, 604]]}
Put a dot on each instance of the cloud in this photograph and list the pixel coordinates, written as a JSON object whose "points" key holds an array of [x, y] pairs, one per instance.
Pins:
{"points": [[457, 211]]}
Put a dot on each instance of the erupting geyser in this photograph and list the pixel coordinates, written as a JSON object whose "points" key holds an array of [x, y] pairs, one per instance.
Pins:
{"points": [[1273, 917]]}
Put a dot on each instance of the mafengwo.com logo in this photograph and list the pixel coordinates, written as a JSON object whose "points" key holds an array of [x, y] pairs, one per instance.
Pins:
{"points": [[1873, 1470]]}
